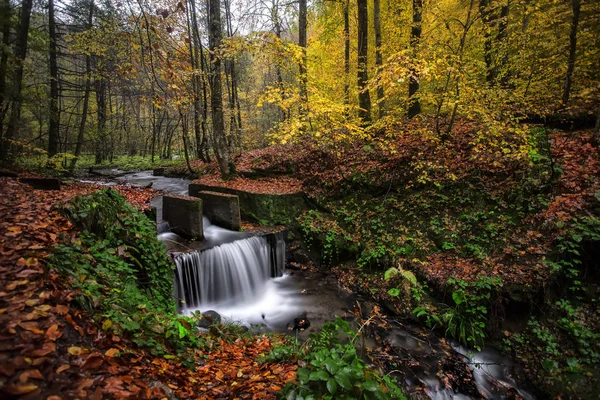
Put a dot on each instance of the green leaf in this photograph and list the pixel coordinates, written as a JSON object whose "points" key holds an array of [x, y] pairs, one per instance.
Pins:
{"points": [[459, 297], [390, 273], [370, 386], [331, 366], [318, 376], [549, 365], [332, 386], [343, 381], [394, 292]]}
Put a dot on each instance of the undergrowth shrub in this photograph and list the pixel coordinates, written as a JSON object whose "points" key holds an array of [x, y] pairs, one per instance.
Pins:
{"points": [[333, 368], [122, 273]]}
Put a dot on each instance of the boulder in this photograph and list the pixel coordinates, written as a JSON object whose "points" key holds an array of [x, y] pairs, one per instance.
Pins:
{"points": [[209, 318]]}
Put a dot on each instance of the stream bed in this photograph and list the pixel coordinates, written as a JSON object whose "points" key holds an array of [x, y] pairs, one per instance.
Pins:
{"points": [[428, 366]]}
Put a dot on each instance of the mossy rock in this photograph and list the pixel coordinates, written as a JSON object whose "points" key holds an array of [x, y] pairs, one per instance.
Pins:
{"points": [[265, 209]]}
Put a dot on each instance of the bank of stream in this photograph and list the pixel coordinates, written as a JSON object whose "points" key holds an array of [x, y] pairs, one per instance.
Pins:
{"points": [[427, 365]]}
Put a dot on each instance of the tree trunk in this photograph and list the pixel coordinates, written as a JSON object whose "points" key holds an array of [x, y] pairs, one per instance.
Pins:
{"points": [[277, 26], [220, 141], [414, 103], [5, 17], [86, 95], [364, 99], [347, 52], [576, 4], [12, 131], [378, 57], [184, 133], [461, 48], [501, 41], [302, 44], [193, 33], [488, 22], [100, 86], [53, 106]]}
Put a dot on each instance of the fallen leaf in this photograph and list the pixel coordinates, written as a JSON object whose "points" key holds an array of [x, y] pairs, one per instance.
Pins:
{"points": [[62, 368], [75, 350], [53, 333], [30, 374], [111, 352], [19, 389]]}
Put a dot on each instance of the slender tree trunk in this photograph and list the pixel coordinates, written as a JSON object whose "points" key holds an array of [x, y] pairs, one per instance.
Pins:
{"points": [[202, 82], [364, 98], [5, 19], [12, 131], [347, 52], [501, 41], [378, 57], [461, 47], [100, 86], [53, 107], [488, 22], [86, 97], [220, 141], [414, 103], [184, 134], [195, 61], [232, 87], [596, 137], [576, 4], [277, 26], [302, 44]]}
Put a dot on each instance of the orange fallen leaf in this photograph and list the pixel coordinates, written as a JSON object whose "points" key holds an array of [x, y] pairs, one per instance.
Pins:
{"points": [[53, 333], [19, 389], [30, 374], [62, 368], [92, 362], [31, 327], [112, 352]]}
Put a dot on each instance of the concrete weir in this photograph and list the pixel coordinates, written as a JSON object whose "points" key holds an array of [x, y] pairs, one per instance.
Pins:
{"points": [[184, 215], [221, 209]]}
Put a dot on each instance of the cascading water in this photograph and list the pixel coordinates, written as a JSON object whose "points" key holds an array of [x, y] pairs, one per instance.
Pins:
{"points": [[231, 273]]}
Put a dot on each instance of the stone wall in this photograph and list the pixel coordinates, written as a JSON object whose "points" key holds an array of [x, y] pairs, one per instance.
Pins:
{"points": [[184, 215]]}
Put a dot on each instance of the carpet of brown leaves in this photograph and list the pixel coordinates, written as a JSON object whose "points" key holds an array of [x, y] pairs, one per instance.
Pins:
{"points": [[52, 350]]}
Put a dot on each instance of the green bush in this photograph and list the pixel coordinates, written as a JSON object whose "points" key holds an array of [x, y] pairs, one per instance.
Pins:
{"points": [[123, 274], [334, 370]]}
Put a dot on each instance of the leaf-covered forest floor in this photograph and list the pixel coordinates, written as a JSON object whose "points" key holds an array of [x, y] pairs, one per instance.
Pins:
{"points": [[51, 349]]}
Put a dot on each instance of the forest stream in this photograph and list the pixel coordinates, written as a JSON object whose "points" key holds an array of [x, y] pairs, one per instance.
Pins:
{"points": [[427, 365]]}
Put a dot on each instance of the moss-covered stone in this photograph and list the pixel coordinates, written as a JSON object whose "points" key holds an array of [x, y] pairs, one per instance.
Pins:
{"points": [[263, 208]]}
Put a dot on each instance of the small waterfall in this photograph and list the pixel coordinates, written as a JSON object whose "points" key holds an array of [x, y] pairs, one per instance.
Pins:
{"points": [[231, 273]]}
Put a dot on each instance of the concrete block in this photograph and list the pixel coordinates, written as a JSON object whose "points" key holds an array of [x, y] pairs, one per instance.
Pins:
{"points": [[184, 215], [221, 209]]}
